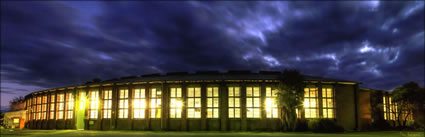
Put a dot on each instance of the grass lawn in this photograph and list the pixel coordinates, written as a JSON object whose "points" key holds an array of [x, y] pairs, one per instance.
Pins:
{"points": [[76, 133]]}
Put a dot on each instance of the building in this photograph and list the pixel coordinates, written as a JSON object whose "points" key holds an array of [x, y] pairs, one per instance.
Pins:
{"points": [[378, 105], [208, 100], [15, 119]]}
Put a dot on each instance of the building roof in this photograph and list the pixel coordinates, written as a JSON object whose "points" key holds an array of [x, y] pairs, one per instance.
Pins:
{"points": [[209, 75]]}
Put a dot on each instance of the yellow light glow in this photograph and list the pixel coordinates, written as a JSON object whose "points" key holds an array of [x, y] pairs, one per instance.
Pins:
{"points": [[179, 103], [82, 100], [270, 102]]}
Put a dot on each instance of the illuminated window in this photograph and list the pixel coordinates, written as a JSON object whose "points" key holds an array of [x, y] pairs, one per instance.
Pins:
{"points": [[393, 109], [107, 103], [139, 103], [212, 102], [328, 103], [16, 121], [60, 106], [69, 105], [29, 109], [385, 108], [34, 108], [38, 108], [271, 105], [155, 109], [94, 104], [52, 106], [194, 102], [44, 108], [234, 102], [390, 109], [253, 102], [310, 103], [123, 107], [175, 102]]}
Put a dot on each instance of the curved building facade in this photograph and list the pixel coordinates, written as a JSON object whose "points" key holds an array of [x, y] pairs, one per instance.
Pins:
{"points": [[231, 101]]}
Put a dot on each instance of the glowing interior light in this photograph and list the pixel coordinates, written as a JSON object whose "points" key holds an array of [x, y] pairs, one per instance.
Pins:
{"points": [[269, 102], [179, 103]]}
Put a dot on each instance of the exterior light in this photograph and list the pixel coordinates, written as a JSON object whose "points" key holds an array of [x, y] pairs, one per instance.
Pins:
{"points": [[82, 101]]}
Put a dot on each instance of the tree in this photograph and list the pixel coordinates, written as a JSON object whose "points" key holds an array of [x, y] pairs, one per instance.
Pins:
{"points": [[290, 98], [95, 80], [407, 97], [18, 103]]}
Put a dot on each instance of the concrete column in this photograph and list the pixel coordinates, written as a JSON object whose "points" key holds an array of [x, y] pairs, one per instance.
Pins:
{"points": [[147, 110], [223, 106], [184, 108], [130, 105], [243, 106], [262, 100], [114, 109], [319, 99], [165, 106], [203, 106]]}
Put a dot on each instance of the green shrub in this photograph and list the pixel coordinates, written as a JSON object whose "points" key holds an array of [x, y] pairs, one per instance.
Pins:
{"points": [[381, 125], [302, 125], [324, 126]]}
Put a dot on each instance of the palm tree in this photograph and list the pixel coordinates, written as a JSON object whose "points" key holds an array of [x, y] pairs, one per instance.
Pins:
{"points": [[290, 97]]}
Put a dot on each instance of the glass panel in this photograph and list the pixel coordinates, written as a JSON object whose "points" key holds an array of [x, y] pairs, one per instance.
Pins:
{"points": [[249, 91], [190, 102], [237, 113], [256, 102], [190, 92], [216, 113], [210, 102], [237, 102], [209, 92], [231, 92], [256, 91], [215, 91], [179, 92], [231, 113], [216, 102], [231, 102], [248, 102], [268, 91], [197, 92], [237, 91], [173, 92]]}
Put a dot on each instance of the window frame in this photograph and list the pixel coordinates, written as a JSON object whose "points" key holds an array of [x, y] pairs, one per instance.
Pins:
{"points": [[60, 111], [38, 115], [155, 103], [251, 103], [176, 96], [213, 107], [107, 103], [123, 103], [93, 112], [52, 106], [139, 99], [232, 108], [44, 107], [271, 96], [192, 105], [310, 108], [69, 99], [324, 98]]}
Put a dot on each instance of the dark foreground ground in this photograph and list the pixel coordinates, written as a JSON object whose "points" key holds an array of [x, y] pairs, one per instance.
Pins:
{"points": [[76, 133]]}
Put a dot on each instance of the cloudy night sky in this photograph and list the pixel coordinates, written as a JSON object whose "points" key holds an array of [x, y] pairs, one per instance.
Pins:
{"points": [[55, 44]]}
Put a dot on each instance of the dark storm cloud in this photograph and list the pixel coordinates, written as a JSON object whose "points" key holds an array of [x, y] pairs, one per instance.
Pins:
{"points": [[53, 44]]}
